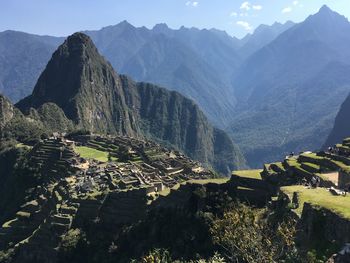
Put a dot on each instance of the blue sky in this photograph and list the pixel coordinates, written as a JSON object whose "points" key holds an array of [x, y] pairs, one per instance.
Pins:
{"points": [[63, 17]]}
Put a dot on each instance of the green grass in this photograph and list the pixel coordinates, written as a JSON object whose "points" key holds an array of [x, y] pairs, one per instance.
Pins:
{"points": [[212, 181], [23, 214], [9, 223], [341, 165], [312, 156], [91, 153], [252, 174], [21, 145], [320, 197]]}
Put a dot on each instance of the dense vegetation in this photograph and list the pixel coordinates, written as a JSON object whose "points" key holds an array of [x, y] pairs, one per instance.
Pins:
{"points": [[210, 227]]}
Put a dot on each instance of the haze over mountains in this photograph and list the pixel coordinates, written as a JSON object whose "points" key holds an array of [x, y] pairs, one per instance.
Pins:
{"points": [[291, 90], [197, 63], [275, 91]]}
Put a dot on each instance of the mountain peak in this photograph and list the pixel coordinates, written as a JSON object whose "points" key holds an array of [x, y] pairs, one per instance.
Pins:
{"points": [[327, 18], [125, 23], [161, 26], [325, 9], [79, 36], [78, 39], [84, 85]]}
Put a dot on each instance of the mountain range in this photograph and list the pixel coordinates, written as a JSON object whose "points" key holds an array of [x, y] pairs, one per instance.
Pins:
{"points": [[79, 88], [274, 91], [290, 90], [197, 63]]}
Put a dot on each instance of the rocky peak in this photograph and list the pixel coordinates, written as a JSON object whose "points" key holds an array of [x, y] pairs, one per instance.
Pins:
{"points": [[78, 41], [81, 82], [325, 10], [327, 16]]}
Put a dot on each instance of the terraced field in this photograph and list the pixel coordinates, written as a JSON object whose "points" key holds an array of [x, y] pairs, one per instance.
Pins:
{"points": [[252, 174], [320, 197], [210, 181]]}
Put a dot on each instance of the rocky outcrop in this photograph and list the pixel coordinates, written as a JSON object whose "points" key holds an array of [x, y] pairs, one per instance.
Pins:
{"points": [[341, 128], [6, 111]]}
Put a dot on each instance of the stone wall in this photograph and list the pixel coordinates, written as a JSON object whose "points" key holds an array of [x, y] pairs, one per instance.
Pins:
{"points": [[324, 225], [344, 180]]}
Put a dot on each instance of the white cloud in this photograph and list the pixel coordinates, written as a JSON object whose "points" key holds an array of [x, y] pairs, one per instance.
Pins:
{"points": [[192, 3], [257, 7], [234, 14], [245, 25], [245, 6], [295, 2], [243, 14], [286, 10]]}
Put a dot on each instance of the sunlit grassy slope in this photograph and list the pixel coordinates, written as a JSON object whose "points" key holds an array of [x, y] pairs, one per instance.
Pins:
{"points": [[90, 153], [254, 174], [320, 197]]}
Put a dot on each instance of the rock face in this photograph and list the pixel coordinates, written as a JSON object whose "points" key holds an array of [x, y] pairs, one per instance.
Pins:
{"points": [[341, 127], [85, 86], [80, 82], [319, 223], [6, 111]]}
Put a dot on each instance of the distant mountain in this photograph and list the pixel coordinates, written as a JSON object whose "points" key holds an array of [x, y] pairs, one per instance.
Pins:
{"points": [[22, 59], [291, 89], [341, 128], [197, 63], [81, 83], [262, 36], [170, 63]]}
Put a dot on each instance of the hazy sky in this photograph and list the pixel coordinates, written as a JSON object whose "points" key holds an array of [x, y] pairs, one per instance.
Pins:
{"points": [[63, 17]]}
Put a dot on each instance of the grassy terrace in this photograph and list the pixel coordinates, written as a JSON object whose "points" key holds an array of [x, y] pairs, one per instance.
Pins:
{"points": [[253, 174], [21, 145], [320, 197], [91, 153], [210, 181]]}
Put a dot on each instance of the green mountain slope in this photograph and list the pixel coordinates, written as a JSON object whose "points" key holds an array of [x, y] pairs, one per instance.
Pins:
{"points": [[23, 57], [80, 82], [341, 128]]}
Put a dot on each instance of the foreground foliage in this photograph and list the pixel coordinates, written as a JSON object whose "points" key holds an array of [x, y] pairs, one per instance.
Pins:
{"points": [[244, 236]]}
